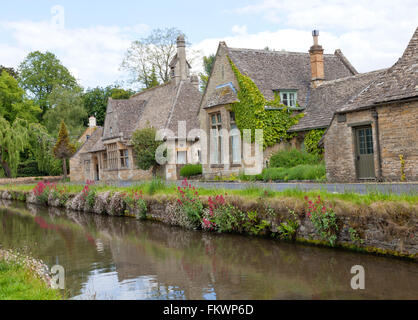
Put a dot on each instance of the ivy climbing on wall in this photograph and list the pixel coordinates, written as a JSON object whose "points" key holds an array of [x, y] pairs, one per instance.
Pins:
{"points": [[250, 112], [311, 141]]}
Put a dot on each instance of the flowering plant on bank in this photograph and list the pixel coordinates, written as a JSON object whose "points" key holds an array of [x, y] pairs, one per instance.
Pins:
{"points": [[188, 199], [135, 201], [42, 190], [323, 219]]}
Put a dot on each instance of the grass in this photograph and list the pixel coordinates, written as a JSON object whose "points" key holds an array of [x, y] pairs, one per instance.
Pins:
{"points": [[159, 187], [292, 158], [19, 283], [301, 172]]}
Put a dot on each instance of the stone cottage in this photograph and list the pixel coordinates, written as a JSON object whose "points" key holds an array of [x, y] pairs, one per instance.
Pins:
{"points": [[108, 152], [374, 136], [313, 83]]}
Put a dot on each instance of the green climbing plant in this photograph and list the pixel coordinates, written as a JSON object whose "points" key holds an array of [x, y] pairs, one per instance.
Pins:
{"points": [[250, 112], [311, 141]]}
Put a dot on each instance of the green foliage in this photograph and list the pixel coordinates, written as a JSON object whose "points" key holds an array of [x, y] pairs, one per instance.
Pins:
{"points": [[40, 147], [292, 158], [40, 73], [207, 67], [189, 201], [13, 101], [63, 149], [17, 282], [95, 103], [311, 141], [287, 230], [10, 71], [68, 106], [135, 202], [323, 219], [250, 112], [354, 236], [155, 185], [13, 139], [190, 170], [300, 172], [121, 94], [145, 146]]}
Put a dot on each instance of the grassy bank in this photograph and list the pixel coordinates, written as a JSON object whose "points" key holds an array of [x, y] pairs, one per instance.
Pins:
{"points": [[157, 187], [20, 282]]}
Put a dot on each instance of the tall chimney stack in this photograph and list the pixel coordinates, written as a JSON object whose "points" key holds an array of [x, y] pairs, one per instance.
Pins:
{"points": [[317, 61], [181, 56]]}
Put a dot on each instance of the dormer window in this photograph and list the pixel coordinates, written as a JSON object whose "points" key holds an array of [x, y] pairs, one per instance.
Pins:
{"points": [[288, 97]]}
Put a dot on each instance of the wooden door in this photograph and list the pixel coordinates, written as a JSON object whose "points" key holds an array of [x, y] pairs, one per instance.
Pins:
{"points": [[365, 153]]}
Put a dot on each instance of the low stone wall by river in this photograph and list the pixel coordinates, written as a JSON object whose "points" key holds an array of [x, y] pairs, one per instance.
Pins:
{"points": [[383, 227]]}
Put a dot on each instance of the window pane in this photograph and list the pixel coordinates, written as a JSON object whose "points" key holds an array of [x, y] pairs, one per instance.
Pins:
{"points": [[213, 119], [214, 147], [181, 157], [219, 118]]}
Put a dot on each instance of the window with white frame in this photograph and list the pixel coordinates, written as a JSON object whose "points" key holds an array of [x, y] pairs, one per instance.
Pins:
{"points": [[288, 97]]}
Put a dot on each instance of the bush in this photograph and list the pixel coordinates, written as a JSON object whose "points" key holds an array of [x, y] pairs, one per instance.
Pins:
{"points": [[301, 172], [292, 158], [191, 170]]}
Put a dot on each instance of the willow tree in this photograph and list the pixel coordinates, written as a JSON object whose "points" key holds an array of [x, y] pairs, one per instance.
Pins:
{"points": [[64, 149], [13, 140]]}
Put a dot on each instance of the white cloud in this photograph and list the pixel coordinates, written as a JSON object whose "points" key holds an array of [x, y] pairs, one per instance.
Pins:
{"points": [[372, 34], [93, 54]]}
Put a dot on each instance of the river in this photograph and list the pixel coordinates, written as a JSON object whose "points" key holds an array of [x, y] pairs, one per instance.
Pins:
{"points": [[122, 258]]}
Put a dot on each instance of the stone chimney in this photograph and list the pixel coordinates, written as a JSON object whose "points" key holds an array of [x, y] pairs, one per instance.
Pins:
{"points": [[92, 122], [195, 81], [317, 61], [182, 67]]}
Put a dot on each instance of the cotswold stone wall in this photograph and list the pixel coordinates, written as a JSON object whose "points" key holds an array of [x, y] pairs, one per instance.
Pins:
{"points": [[398, 125], [382, 227], [398, 132]]}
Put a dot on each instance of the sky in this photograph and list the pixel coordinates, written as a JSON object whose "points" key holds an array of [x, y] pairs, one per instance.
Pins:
{"points": [[91, 37]]}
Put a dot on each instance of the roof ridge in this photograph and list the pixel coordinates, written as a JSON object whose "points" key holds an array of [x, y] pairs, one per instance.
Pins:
{"points": [[355, 76], [174, 105], [278, 51], [150, 89]]}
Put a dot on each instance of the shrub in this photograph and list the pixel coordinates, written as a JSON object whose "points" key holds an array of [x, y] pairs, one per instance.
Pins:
{"points": [[323, 219], [155, 185], [287, 230], [301, 172], [136, 202], [292, 158], [191, 170], [190, 202], [42, 190]]}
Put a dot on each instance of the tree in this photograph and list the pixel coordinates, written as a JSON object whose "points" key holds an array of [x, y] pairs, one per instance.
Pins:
{"points": [[13, 101], [121, 94], [63, 148], [10, 71], [66, 105], [145, 146], [41, 146], [148, 60], [40, 73], [13, 140], [207, 67]]}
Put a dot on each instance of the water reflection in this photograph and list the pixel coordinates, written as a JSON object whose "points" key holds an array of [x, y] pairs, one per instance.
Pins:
{"points": [[121, 258]]}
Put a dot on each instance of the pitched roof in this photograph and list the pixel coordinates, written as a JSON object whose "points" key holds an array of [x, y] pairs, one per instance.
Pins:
{"points": [[161, 107], [94, 138], [396, 83], [122, 117], [274, 70], [329, 96], [222, 95]]}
